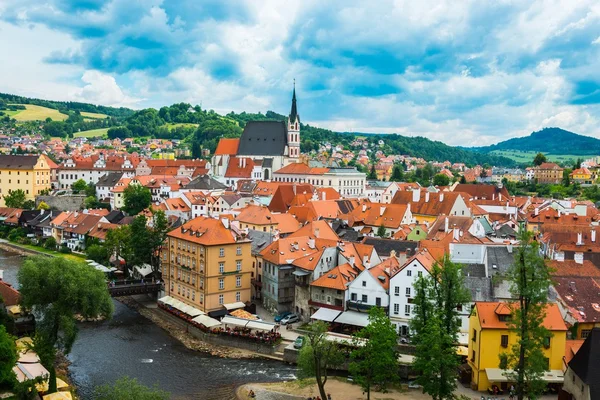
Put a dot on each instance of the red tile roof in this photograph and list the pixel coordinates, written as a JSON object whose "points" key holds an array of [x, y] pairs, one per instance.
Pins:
{"points": [[227, 146], [8, 294], [488, 313]]}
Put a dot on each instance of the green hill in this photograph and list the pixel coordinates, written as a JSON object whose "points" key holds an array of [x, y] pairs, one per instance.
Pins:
{"points": [[549, 140]]}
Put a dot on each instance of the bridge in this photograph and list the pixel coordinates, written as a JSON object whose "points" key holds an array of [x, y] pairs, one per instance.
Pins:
{"points": [[130, 287]]}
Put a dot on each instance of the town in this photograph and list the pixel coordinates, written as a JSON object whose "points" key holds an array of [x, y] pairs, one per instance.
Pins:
{"points": [[262, 246]]}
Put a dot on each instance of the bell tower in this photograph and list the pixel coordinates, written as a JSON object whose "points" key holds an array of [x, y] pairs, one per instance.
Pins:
{"points": [[294, 128]]}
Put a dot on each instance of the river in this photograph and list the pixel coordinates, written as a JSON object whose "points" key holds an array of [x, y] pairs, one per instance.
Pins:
{"points": [[130, 345]]}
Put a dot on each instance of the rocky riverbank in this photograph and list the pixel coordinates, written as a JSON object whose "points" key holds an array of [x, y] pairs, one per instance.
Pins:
{"points": [[185, 338], [19, 250]]}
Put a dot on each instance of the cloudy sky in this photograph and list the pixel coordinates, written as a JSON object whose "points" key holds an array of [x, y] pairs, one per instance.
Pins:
{"points": [[463, 72]]}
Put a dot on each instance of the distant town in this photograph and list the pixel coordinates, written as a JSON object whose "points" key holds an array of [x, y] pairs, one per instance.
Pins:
{"points": [[258, 241]]}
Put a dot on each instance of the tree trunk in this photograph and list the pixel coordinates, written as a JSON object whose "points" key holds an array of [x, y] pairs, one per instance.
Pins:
{"points": [[52, 380], [369, 392]]}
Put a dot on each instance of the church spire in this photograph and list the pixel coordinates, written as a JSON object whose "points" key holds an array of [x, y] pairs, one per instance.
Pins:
{"points": [[294, 110]]}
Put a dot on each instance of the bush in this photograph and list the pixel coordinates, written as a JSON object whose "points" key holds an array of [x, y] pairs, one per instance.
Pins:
{"points": [[64, 249], [15, 234], [50, 243]]}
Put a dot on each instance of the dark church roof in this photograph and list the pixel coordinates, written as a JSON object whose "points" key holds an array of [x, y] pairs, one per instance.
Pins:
{"points": [[586, 362], [294, 110], [205, 182], [263, 138]]}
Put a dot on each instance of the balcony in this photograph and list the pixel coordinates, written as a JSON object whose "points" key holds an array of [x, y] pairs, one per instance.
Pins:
{"points": [[361, 307]]}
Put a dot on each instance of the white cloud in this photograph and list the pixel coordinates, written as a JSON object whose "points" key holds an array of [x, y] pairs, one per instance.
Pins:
{"points": [[102, 89]]}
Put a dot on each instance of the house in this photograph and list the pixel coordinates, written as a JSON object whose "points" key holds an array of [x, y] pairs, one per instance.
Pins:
{"points": [[91, 169], [207, 265], [548, 173], [402, 289], [330, 290], [426, 207], [581, 377], [106, 183], [31, 174], [369, 217], [583, 176], [489, 336]]}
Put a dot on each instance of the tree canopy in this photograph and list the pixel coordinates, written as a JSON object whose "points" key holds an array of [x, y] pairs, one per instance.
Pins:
{"points": [[15, 198], [539, 159], [8, 357], [136, 198]]}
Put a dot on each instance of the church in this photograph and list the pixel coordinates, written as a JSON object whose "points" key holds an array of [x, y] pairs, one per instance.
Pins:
{"points": [[264, 147]]}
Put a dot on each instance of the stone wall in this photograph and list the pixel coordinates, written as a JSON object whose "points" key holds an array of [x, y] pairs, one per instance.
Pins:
{"points": [[62, 203], [218, 340]]}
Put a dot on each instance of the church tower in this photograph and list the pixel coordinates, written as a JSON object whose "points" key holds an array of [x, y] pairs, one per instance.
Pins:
{"points": [[294, 129]]}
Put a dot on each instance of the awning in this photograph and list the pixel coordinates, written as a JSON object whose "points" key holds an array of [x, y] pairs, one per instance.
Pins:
{"points": [[43, 387], [234, 306], [166, 300], [28, 357], [191, 311], [206, 321], [144, 270], [463, 338], [325, 314], [301, 273], [58, 396], [462, 351], [260, 325], [27, 372], [353, 318], [497, 375], [227, 320]]}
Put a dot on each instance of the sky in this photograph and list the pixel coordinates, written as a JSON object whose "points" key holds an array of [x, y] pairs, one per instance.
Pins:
{"points": [[463, 72]]}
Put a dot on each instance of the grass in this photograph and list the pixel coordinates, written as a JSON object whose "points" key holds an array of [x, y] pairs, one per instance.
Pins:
{"points": [[528, 156], [172, 126], [38, 113], [70, 256], [92, 115], [92, 133]]}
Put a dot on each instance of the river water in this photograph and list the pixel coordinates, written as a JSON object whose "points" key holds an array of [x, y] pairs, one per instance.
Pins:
{"points": [[130, 345]]}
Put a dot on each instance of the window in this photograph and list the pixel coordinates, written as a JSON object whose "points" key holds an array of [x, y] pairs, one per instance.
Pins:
{"points": [[238, 265], [397, 290], [473, 356], [407, 292], [474, 338], [221, 268], [408, 272], [420, 274], [396, 309], [193, 296], [504, 340], [238, 296], [353, 296], [378, 301], [585, 333], [238, 281], [407, 309], [365, 298], [547, 342], [222, 252], [221, 283], [221, 299], [364, 283], [404, 330], [238, 251]]}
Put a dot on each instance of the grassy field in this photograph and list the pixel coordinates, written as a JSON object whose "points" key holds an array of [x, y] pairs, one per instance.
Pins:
{"points": [[528, 156], [93, 115], [37, 113], [92, 133], [172, 126]]}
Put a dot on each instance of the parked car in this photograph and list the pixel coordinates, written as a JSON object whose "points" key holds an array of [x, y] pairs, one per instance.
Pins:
{"points": [[290, 319], [281, 316], [299, 342]]}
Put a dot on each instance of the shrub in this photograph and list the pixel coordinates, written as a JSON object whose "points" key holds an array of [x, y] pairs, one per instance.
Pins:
{"points": [[50, 243], [64, 249]]}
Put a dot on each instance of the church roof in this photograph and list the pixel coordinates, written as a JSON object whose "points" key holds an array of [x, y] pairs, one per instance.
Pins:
{"points": [[263, 138], [294, 110]]}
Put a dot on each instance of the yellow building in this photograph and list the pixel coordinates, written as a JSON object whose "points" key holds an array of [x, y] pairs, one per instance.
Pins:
{"points": [[583, 176], [489, 337], [207, 265], [585, 328], [31, 174]]}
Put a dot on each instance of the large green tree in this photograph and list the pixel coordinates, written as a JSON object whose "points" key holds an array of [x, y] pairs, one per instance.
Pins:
{"points": [[98, 253], [397, 173], [375, 359], [128, 388], [141, 245], [435, 326], [372, 173], [15, 198], [79, 186], [8, 357], [441, 180], [157, 237], [539, 159], [118, 243], [136, 198], [530, 280], [58, 289], [318, 355]]}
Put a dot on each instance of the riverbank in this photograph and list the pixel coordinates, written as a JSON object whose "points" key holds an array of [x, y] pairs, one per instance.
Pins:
{"points": [[31, 250], [189, 341]]}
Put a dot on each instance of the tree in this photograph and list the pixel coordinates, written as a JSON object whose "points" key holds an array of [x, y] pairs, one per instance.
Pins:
{"points": [[463, 180], [57, 289], [397, 174], [79, 186], [530, 280], [381, 232], [8, 357], [539, 159], [90, 190], [141, 245], [157, 237], [128, 388], [43, 206], [435, 326], [577, 164], [29, 205], [372, 173], [98, 253], [50, 243], [136, 198], [118, 243], [375, 360], [441, 180], [318, 355], [14, 198]]}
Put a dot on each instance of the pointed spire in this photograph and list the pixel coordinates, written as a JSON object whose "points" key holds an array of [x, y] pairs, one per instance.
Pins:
{"points": [[294, 110]]}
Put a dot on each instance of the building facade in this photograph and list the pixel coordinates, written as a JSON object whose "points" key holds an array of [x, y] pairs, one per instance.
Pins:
{"points": [[31, 174]]}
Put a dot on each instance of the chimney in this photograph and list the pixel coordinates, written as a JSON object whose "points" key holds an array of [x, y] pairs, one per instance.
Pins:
{"points": [[509, 248], [579, 239], [244, 163], [365, 259], [323, 195], [578, 258], [441, 197], [446, 227], [381, 210], [393, 254], [493, 196], [536, 212], [225, 222], [500, 196], [294, 188], [455, 233], [316, 232], [311, 243], [240, 162], [364, 207], [351, 261], [593, 235], [427, 197], [416, 195]]}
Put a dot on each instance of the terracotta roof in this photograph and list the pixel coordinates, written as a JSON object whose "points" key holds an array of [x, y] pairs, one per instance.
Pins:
{"points": [[568, 268], [381, 274], [285, 194], [286, 223], [176, 204], [482, 191], [552, 216], [235, 170], [437, 230], [424, 257], [431, 207], [205, 231], [488, 313], [314, 229], [256, 215], [101, 229], [303, 214], [289, 249], [581, 171], [580, 294], [227, 146], [264, 188], [548, 165], [301, 169], [8, 294], [326, 208], [195, 198], [337, 278], [377, 214], [571, 348], [328, 193]]}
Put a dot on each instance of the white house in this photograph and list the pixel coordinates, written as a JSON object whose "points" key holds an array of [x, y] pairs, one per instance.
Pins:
{"points": [[370, 288]]}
